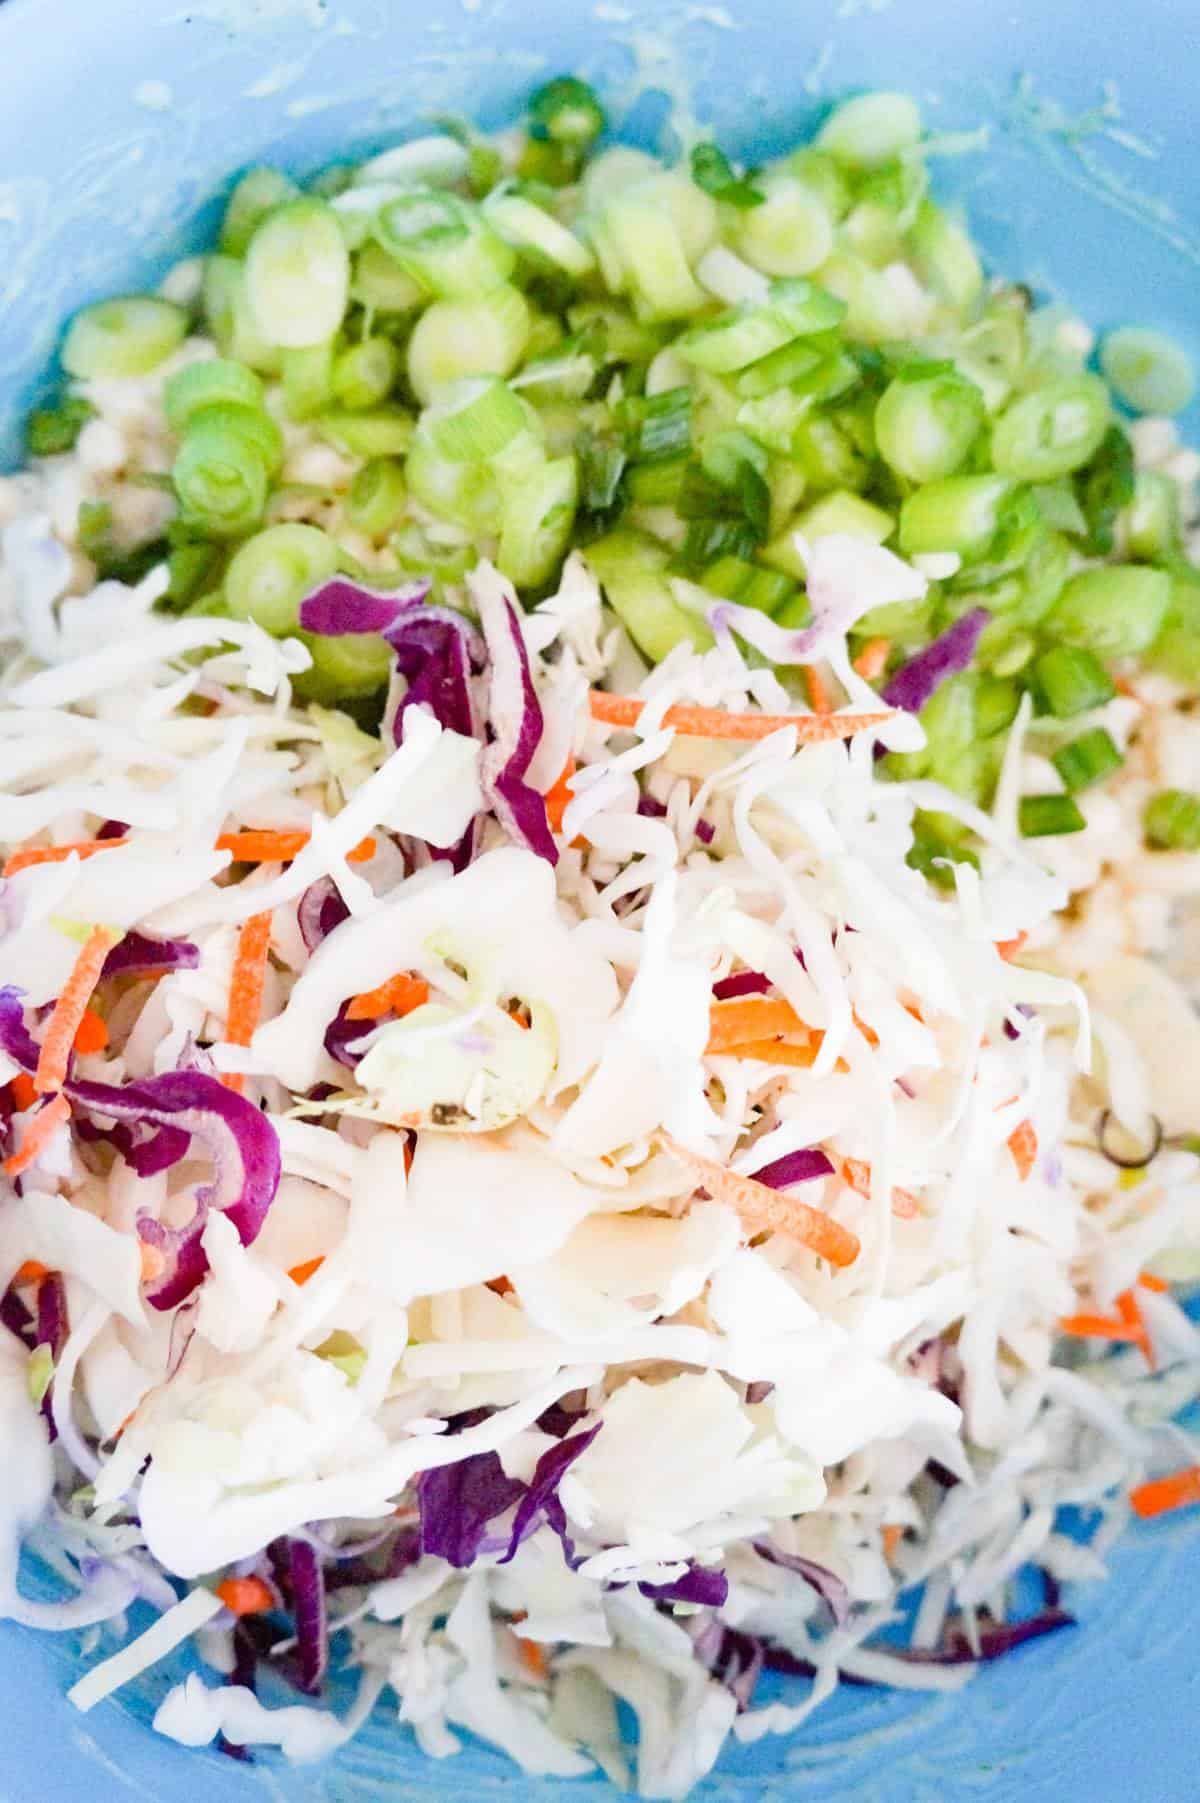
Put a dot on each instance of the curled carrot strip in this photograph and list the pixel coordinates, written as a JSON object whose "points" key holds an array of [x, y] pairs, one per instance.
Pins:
{"points": [[92, 1033], [1158, 1286], [715, 723], [777, 1051], [872, 659], [1179, 1491], [1131, 1315], [766, 1210], [57, 854], [69, 1010], [399, 995], [246, 1596], [893, 1534], [744, 1018], [32, 1271], [40, 1129], [819, 698], [246, 988], [1099, 1327], [1023, 1144], [301, 1273], [1011, 948], [558, 795], [533, 1657]]}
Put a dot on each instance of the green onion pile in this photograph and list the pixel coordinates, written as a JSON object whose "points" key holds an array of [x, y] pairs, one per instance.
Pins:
{"points": [[523, 347]]}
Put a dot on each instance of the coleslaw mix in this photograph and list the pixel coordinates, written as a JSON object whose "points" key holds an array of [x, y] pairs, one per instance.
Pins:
{"points": [[570, 1136]]}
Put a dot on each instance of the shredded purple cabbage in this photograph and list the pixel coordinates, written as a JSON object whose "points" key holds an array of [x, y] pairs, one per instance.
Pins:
{"points": [[457, 1502], [340, 607], [515, 720], [650, 808], [743, 982], [541, 1502], [308, 1602], [949, 654], [706, 832], [734, 1659], [320, 910], [137, 954], [995, 1640], [828, 1586], [53, 1327], [796, 1167], [700, 1584]]}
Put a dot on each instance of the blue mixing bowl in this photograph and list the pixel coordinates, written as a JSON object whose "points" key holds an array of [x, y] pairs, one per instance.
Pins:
{"points": [[120, 124]]}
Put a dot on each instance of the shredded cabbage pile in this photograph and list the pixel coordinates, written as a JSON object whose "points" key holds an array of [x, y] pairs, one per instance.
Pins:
{"points": [[437, 1332]]}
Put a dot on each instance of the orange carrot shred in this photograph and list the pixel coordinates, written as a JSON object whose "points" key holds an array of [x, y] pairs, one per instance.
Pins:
{"points": [[263, 847], [23, 1092], [399, 995], [1131, 1315], [1098, 1327], [302, 1273], [777, 1051], [558, 795], [40, 1128], [1011, 948], [1023, 1144], [1157, 1285], [533, 1656], [246, 1596], [91, 1035], [32, 1271], [766, 1210], [715, 723], [246, 848], [857, 1173], [872, 659], [819, 698], [1179, 1491], [743, 1018], [893, 1534], [246, 988], [70, 1009]]}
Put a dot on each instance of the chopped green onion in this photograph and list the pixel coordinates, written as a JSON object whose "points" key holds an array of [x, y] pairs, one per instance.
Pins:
{"points": [[365, 374], [353, 665], [39, 1373], [708, 540], [94, 532], [1051, 431], [712, 171], [1087, 760], [536, 233], [1112, 610], [1071, 682], [963, 514], [476, 419], [1047, 816], [996, 702], [387, 432], [307, 376], [656, 484], [445, 243], [125, 337], [601, 466], [455, 339], [53, 431], [377, 496], [944, 257], [381, 284], [641, 246], [657, 426], [227, 310], [871, 129], [843, 511], [790, 233], [1104, 488], [567, 111], [538, 514], [925, 428], [1172, 820], [250, 423], [258, 193], [1152, 519], [631, 569], [1148, 370], [191, 570], [298, 274], [939, 843], [209, 384], [221, 477], [271, 574], [436, 161], [748, 334]]}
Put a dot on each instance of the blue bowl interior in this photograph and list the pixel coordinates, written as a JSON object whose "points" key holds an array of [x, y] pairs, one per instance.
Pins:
{"points": [[121, 127]]}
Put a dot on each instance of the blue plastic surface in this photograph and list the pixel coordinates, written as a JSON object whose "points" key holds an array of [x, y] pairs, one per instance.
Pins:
{"points": [[119, 122]]}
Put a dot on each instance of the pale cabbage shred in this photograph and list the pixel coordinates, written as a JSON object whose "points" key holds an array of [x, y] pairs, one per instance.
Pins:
{"points": [[746, 1390]]}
